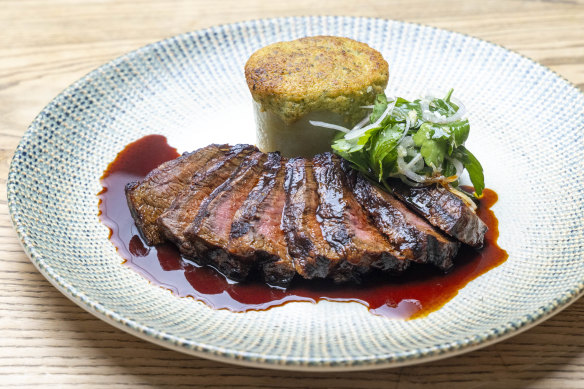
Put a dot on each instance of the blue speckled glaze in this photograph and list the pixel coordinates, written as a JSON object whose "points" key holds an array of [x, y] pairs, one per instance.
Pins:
{"points": [[527, 129]]}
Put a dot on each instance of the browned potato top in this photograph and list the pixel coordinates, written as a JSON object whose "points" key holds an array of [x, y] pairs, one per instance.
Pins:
{"points": [[316, 73]]}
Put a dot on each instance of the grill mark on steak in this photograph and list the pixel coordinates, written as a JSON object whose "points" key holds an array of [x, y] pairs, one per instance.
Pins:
{"points": [[250, 211], [210, 230], [313, 256], [185, 206], [411, 236], [346, 226], [256, 227], [444, 210], [148, 198], [331, 209]]}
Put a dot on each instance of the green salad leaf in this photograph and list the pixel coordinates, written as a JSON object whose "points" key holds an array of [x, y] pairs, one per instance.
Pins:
{"points": [[378, 108], [474, 168], [419, 142], [383, 147]]}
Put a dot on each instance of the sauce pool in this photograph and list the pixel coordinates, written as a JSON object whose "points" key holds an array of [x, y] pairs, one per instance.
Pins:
{"points": [[419, 291]]}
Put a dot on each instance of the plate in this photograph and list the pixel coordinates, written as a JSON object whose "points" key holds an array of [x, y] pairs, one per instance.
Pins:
{"points": [[527, 130]]}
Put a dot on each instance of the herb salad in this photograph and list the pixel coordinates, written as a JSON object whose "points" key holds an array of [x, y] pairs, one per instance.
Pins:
{"points": [[420, 142]]}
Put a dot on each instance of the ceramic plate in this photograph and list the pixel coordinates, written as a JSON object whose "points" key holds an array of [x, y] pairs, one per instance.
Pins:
{"points": [[527, 129]]}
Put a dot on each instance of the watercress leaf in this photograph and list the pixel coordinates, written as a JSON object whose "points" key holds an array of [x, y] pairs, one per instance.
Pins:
{"points": [[357, 147], [338, 135], [408, 106], [454, 134], [378, 108], [390, 162], [425, 132], [371, 160], [341, 145], [358, 159], [367, 139], [449, 169], [385, 141], [459, 131], [347, 146], [442, 107], [434, 151], [400, 101], [395, 117], [474, 168]]}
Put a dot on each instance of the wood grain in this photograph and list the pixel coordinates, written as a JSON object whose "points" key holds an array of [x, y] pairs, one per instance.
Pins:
{"points": [[47, 341]]}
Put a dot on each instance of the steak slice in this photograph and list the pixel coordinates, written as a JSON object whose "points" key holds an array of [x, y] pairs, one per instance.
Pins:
{"points": [[312, 254], [409, 234], [209, 232], [147, 199], [256, 225], [346, 226], [444, 210], [183, 210]]}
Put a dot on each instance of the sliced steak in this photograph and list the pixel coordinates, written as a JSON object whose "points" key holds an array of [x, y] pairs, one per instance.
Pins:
{"points": [[237, 209], [209, 232], [409, 234], [444, 210], [313, 256], [147, 199], [346, 226], [256, 225], [184, 208]]}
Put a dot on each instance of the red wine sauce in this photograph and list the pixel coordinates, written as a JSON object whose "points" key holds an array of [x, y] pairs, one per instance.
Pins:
{"points": [[416, 293]]}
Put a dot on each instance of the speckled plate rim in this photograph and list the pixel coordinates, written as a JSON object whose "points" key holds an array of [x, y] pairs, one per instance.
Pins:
{"points": [[154, 335]]}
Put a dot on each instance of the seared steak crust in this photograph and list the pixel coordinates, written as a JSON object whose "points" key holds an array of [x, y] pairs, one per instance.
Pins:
{"points": [[256, 232], [409, 234], [444, 210], [209, 232], [184, 209], [346, 227], [312, 254], [150, 197]]}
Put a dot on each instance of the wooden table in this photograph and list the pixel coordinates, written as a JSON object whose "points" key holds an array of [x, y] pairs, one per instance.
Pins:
{"points": [[47, 341]]}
